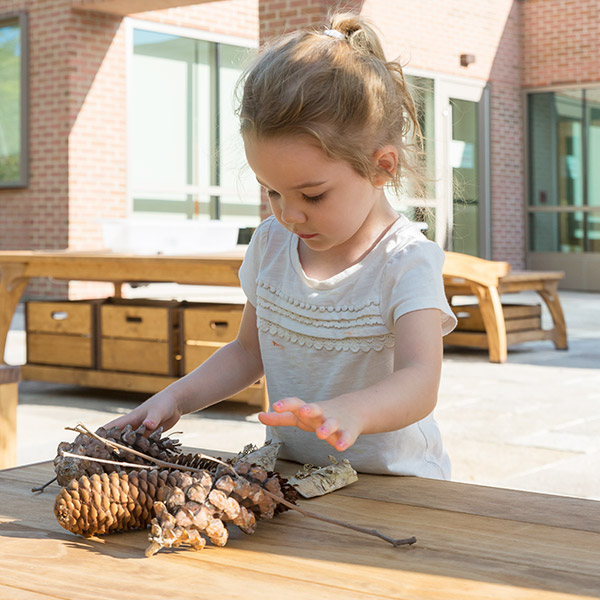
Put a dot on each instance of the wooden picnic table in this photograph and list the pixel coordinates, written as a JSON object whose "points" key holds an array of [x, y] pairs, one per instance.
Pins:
{"points": [[487, 280], [17, 267], [472, 542]]}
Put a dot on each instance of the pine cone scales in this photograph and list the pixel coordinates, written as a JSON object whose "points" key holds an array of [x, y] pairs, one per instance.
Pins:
{"points": [[67, 468], [109, 502], [180, 507]]}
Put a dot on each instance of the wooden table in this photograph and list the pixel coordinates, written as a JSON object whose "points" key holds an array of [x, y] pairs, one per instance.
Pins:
{"points": [[9, 381], [487, 280], [472, 542], [18, 267]]}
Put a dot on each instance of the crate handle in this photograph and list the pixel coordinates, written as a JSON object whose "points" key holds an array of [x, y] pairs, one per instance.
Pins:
{"points": [[60, 315], [132, 319], [219, 324]]}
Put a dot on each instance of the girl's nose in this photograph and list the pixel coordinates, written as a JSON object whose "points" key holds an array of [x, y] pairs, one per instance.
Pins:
{"points": [[291, 214]]}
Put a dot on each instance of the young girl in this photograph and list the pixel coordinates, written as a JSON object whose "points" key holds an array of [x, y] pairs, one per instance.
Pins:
{"points": [[346, 308]]}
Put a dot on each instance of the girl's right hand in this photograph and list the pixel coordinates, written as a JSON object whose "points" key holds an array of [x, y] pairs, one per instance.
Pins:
{"points": [[159, 410]]}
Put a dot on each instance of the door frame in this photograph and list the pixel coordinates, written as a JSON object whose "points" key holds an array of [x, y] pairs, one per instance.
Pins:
{"points": [[474, 91], [445, 87]]}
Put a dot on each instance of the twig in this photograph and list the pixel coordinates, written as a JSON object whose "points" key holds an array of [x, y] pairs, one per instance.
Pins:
{"points": [[41, 488], [161, 463], [106, 461], [374, 532]]}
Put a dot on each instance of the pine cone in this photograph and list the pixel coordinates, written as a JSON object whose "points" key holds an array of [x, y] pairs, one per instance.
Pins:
{"points": [[110, 502], [205, 507], [181, 507], [67, 468]]}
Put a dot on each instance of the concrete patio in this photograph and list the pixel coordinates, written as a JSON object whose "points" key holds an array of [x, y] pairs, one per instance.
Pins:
{"points": [[532, 423]]}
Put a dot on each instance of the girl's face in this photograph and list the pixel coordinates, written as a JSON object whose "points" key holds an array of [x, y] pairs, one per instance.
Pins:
{"points": [[325, 202]]}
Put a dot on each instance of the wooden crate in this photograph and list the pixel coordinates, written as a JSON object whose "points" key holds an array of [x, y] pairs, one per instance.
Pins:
{"points": [[523, 322], [208, 327], [205, 329], [139, 336], [61, 333], [517, 317]]}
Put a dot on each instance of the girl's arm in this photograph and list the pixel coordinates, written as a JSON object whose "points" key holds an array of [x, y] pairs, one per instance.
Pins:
{"points": [[404, 397], [228, 371]]}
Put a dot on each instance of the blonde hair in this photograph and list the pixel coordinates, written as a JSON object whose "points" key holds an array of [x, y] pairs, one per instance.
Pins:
{"points": [[340, 91]]}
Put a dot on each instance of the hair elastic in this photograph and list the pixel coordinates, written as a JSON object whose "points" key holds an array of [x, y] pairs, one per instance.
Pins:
{"points": [[338, 35]]}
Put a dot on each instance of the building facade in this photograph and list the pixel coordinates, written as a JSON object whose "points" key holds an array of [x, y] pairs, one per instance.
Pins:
{"points": [[108, 112]]}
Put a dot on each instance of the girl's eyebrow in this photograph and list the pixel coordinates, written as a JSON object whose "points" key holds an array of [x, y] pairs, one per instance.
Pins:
{"points": [[308, 184]]}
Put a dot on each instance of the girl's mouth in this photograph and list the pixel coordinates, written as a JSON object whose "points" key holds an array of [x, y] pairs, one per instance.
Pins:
{"points": [[306, 236]]}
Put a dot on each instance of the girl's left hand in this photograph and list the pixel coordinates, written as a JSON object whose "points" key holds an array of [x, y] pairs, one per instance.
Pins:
{"points": [[337, 427]]}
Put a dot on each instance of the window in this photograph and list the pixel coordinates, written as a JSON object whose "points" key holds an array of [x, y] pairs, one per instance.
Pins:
{"points": [[187, 156], [454, 119], [416, 207], [564, 179], [13, 101]]}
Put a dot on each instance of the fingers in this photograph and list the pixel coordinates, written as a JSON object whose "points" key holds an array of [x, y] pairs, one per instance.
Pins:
{"points": [[149, 414], [342, 440], [294, 412], [327, 428], [289, 404], [123, 421], [273, 419]]}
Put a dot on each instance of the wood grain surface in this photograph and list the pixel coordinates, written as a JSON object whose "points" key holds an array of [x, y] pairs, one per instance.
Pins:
{"points": [[472, 542]]}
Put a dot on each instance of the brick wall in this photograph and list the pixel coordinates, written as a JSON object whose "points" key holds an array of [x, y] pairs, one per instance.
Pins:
{"points": [[430, 35], [78, 140], [231, 17], [37, 217], [78, 167], [561, 42]]}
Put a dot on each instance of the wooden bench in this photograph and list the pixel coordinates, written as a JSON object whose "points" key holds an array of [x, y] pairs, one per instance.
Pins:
{"points": [[489, 324], [9, 381]]}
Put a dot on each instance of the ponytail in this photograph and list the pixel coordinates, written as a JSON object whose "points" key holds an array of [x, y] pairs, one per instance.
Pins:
{"points": [[339, 90]]}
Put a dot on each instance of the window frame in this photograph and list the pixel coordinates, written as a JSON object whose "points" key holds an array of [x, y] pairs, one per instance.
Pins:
{"points": [[531, 209], [131, 24], [22, 18], [467, 89]]}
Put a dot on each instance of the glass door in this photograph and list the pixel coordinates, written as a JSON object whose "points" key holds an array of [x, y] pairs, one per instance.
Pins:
{"points": [[463, 183]]}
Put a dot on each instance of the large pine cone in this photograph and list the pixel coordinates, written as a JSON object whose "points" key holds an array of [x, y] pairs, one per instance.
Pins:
{"points": [[180, 506], [67, 468], [112, 502]]}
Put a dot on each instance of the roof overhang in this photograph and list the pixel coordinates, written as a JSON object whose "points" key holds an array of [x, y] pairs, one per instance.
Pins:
{"points": [[128, 7]]}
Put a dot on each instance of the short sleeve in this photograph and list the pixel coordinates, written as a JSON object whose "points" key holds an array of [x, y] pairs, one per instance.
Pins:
{"points": [[413, 281], [248, 272]]}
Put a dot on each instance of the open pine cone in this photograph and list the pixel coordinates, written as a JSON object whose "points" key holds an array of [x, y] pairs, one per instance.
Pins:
{"points": [[181, 506], [156, 446]]}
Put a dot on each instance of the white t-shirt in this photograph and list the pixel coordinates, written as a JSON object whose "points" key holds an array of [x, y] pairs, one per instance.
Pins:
{"points": [[321, 339]]}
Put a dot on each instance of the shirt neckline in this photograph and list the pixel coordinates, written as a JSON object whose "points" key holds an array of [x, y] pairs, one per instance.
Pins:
{"points": [[342, 276]]}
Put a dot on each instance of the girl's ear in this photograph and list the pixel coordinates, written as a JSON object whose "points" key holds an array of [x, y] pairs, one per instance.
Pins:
{"points": [[386, 163]]}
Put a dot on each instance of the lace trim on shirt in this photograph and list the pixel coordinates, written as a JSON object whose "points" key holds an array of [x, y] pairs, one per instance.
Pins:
{"points": [[353, 344], [328, 322], [315, 307]]}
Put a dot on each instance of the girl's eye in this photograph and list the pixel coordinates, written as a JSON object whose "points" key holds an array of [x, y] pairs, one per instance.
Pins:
{"points": [[314, 198], [272, 193]]}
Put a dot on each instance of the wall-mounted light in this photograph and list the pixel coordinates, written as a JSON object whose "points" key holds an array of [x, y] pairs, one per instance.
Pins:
{"points": [[466, 59]]}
